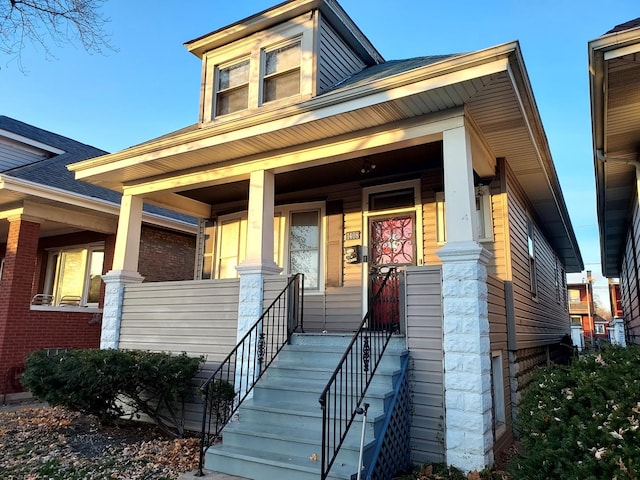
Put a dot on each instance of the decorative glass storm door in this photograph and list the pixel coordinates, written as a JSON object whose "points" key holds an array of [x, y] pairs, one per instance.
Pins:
{"points": [[391, 244]]}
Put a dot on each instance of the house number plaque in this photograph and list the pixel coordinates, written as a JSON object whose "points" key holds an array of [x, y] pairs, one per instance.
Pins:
{"points": [[352, 235]]}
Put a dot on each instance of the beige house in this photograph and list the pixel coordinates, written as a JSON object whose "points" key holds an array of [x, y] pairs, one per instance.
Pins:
{"points": [[313, 154], [615, 116]]}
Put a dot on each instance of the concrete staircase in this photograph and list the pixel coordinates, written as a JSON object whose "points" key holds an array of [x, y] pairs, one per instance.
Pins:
{"points": [[277, 434]]}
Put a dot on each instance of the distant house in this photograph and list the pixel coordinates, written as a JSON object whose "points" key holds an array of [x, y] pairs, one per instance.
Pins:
{"points": [[615, 116], [57, 238], [313, 154], [582, 310], [615, 298]]}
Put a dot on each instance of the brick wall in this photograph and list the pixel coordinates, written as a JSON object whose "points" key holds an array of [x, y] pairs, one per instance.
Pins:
{"points": [[23, 330], [166, 255]]}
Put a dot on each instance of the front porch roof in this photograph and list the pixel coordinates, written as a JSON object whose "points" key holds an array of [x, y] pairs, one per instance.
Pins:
{"points": [[383, 108], [614, 69]]}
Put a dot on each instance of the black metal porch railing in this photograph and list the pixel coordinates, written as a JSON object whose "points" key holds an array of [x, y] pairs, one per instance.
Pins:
{"points": [[229, 385], [347, 386]]}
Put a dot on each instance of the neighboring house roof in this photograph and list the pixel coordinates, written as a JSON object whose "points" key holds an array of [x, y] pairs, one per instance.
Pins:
{"points": [[614, 67], [53, 172]]}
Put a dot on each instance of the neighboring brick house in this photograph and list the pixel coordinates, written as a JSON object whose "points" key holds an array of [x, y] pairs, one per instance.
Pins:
{"points": [[314, 155], [57, 238]]}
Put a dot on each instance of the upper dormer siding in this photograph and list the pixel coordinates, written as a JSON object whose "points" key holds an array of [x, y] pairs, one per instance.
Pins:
{"points": [[336, 60], [281, 64]]}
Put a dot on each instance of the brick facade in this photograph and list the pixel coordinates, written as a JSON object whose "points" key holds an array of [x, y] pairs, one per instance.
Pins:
{"points": [[164, 255]]}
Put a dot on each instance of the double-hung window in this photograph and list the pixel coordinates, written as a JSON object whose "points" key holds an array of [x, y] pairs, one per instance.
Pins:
{"points": [[74, 275], [281, 77], [304, 247], [232, 87], [297, 232]]}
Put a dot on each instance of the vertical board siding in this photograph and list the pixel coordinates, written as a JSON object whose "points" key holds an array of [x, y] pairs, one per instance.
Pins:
{"points": [[336, 61], [498, 337], [424, 340], [542, 320]]}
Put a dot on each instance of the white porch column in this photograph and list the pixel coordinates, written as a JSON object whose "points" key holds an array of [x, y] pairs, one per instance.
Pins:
{"points": [[466, 344], [259, 259], [124, 269]]}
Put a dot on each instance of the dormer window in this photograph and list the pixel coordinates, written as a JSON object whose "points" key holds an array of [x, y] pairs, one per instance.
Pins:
{"points": [[232, 88], [281, 72]]}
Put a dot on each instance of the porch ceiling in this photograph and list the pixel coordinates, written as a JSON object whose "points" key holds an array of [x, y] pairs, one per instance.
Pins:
{"points": [[615, 106]]}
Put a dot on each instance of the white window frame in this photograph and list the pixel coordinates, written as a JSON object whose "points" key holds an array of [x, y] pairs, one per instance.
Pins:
{"points": [[263, 65], [241, 217], [533, 263], [51, 270], [252, 47], [282, 223], [285, 212], [484, 215], [498, 393], [1, 268], [217, 91]]}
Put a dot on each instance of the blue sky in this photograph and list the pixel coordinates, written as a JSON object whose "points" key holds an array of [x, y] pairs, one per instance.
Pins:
{"points": [[150, 85]]}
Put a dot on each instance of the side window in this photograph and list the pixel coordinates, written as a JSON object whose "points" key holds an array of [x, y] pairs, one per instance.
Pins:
{"points": [[281, 72], [74, 276], [531, 246], [497, 377], [1, 268], [304, 247], [232, 88]]}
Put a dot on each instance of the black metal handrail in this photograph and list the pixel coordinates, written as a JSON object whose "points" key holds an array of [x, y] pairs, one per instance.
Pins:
{"points": [[230, 384], [347, 386]]}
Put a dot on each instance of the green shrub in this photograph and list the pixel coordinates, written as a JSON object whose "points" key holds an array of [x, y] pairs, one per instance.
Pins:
{"points": [[113, 383], [581, 421]]}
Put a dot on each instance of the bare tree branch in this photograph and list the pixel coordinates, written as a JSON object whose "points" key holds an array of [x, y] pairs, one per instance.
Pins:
{"points": [[46, 22]]}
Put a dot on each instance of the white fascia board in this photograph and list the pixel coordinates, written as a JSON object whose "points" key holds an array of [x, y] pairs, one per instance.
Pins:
{"points": [[622, 51], [447, 72], [90, 203], [30, 142]]}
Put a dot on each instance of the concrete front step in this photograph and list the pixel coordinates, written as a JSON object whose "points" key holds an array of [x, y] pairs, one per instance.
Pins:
{"points": [[288, 413], [260, 465], [279, 431]]}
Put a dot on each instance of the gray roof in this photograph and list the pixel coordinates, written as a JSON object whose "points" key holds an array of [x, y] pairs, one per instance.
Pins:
{"points": [[625, 26], [53, 171], [388, 69]]}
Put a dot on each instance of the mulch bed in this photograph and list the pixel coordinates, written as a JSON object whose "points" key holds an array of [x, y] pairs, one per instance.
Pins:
{"points": [[53, 443]]}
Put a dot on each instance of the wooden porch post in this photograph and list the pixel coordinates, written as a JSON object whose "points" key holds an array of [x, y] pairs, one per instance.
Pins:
{"points": [[259, 259], [466, 345], [124, 269]]}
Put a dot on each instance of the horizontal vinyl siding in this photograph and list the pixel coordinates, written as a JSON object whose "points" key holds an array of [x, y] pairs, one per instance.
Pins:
{"points": [[629, 279], [197, 317], [424, 339], [336, 61], [542, 320]]}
